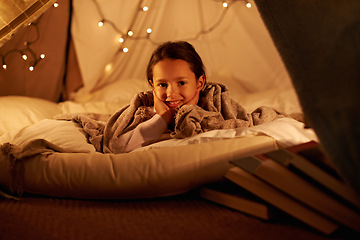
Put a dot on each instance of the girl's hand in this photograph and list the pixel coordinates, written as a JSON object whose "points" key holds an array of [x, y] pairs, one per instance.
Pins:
{"points": [[163, 110]]}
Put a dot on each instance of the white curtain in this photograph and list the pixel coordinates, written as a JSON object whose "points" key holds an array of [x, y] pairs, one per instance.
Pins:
{"points": [[236, 49]]}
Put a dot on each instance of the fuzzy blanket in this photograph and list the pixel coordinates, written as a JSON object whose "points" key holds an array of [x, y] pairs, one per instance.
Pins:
{"points": [[215, 110]]}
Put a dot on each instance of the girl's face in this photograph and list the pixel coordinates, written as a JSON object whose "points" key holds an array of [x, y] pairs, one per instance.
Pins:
{"points": [[175, 84]]}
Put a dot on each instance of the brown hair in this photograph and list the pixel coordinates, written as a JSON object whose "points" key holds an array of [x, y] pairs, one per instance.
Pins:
{"points": [[176, 50]]}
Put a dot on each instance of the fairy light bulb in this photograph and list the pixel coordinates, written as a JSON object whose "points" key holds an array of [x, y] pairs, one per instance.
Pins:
{"points": [[4, 66], [108, 67], [145, 8], [121, 40], [101, 23], [31, 68], [248, 5], [24, 57], [55, 5], [130, 33], [42, 56], [149, 30], [125, 50], [225, 4]]}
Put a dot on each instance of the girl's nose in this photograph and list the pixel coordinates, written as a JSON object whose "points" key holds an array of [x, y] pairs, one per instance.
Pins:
{"points": [[171, 92]]}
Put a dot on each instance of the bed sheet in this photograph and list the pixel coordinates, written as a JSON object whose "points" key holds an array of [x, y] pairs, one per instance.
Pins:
{"points": [[139, 174]]}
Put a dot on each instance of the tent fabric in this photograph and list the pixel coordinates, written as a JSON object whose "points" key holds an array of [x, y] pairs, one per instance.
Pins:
{"points": [[16, 14], [233, 42], [322, 54], [49, 35], [237, 51]]}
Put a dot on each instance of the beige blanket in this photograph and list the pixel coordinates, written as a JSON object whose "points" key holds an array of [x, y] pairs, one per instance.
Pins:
{"points": [[215, 110]]}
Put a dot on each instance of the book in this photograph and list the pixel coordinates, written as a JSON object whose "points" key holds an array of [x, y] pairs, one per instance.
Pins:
{"points": [[309, 160], [281, 200], [229, 194], [299, 188]]}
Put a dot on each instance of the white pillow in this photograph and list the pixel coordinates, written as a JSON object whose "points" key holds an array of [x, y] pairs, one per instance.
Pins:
{"points": [[121, 91], [284, 100], [101, 107], [17, 112], [65, 134]]}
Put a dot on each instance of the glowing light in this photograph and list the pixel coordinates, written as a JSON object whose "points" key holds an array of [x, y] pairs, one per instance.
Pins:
{"points": [[27, 49], [56, 5], [108, 67], [248, 5], [121, 37]]}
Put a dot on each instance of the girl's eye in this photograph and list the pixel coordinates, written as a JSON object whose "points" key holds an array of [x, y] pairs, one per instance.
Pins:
{"points": [[182, 83], [162, 85]]}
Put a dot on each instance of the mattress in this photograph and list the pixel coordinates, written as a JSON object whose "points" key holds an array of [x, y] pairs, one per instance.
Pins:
{"points": [[52, 157]]}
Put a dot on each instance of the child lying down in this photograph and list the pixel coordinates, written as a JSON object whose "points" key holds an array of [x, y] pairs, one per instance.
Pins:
{"points": [[181, 104]]}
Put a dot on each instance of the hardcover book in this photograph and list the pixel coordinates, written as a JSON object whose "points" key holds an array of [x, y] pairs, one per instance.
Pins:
{"points": [[231, 195], [309, 161]]}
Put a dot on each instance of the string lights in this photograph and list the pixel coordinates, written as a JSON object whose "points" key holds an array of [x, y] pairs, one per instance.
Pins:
{"points": [[27, 53], [147, 35]]}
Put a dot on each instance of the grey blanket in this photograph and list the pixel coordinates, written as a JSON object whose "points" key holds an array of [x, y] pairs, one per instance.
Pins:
{"points": [[215, 110]]}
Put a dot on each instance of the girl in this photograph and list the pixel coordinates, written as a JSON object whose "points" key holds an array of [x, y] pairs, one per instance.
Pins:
{"points": [[180, 102]]}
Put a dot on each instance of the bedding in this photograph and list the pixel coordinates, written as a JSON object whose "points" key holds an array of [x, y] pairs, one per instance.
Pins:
{"points": [[18, 111], [53, 157], [65, 134], [152, 173], [215, 110]]}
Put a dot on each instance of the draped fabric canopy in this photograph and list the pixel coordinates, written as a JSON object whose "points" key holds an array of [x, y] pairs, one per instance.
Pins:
{"points": [[233, 41], [17, 13], [33, 56]]}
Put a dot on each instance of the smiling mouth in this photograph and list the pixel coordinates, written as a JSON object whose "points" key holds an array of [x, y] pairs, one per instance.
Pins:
{"points": [[174, 104]]}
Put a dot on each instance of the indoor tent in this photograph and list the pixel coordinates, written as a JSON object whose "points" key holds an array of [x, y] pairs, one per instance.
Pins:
{"points": [[90, 56]]}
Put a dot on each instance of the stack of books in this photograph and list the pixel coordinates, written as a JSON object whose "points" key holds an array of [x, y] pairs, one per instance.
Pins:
{"points": [[299, 181]]}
